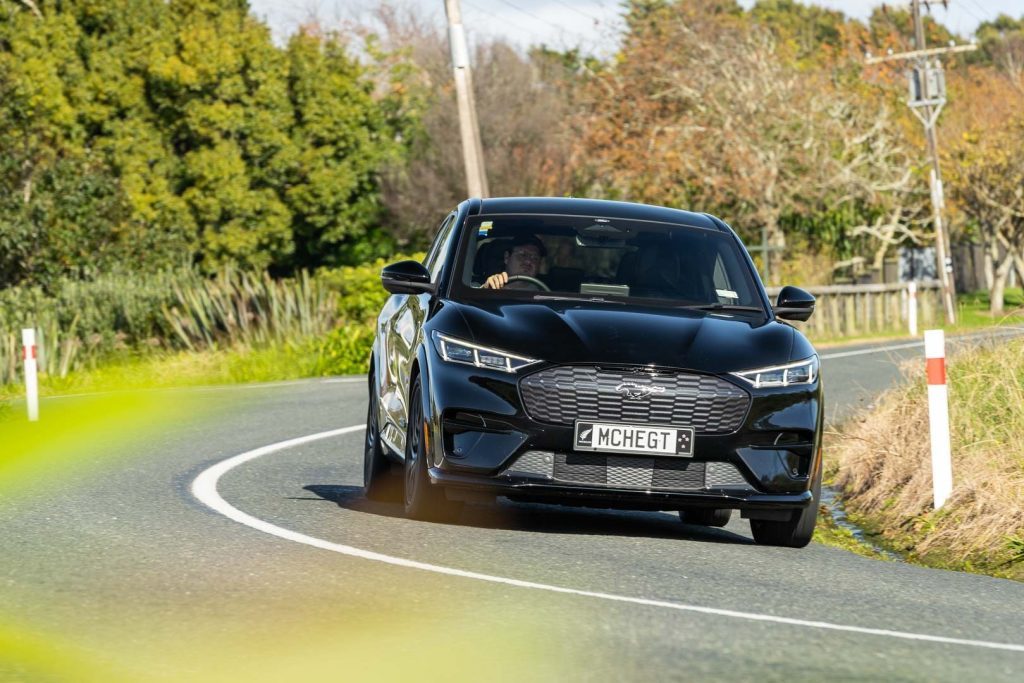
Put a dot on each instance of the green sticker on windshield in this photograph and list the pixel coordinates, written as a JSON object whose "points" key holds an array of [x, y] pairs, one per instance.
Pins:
{"points": [[485, 228]]}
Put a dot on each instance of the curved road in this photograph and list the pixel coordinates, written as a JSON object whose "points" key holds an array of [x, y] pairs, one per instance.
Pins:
{"points": [[134, 571]]}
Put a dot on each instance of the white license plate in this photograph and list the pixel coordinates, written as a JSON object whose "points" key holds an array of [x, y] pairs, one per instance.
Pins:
{"points": [[624, 438]]}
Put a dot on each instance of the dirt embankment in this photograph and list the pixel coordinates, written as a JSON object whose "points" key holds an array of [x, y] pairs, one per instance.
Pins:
{"points": [[882, 464]]}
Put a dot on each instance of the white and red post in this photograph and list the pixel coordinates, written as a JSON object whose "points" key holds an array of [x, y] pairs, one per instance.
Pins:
{"points": [[912, 307], [29, 354], [938, 415]]}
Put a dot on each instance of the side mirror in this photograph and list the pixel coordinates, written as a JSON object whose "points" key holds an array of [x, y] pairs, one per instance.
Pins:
{"points": [[406, 277], [794, 304]]}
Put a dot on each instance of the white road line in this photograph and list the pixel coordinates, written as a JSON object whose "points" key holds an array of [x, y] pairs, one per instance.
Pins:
{"points": [[877, 349], [204, 488], [1006, 332]]}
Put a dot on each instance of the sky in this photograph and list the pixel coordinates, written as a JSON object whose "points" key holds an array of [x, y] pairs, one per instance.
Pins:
{"points": [[566, 23]]}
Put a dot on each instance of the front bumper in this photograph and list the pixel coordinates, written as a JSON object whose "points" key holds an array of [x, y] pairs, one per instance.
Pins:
{"points": [[531, 489], [481, 434]]}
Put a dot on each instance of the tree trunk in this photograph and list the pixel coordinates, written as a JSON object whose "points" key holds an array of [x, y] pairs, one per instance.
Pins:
{"points": [[1018, 264], [997, 292], [990, 259]]}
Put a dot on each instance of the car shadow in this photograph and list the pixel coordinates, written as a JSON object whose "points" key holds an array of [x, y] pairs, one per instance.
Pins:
{"points": [[544, 518]]}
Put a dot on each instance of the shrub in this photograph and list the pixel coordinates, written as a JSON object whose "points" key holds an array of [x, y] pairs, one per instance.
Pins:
{"points": [[361, 295], [346, 349]]}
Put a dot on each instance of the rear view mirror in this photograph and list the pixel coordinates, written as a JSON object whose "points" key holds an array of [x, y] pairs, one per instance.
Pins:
{"points": [[794, 304], [406, 277]]}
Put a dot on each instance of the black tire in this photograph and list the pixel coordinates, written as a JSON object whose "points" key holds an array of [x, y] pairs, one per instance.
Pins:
{"points": [[795, 532], [716, 517], [423, 500], [380, 481]]}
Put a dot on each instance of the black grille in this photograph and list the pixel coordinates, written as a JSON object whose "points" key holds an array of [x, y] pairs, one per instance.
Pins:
{"points": [[567, 393], [629, 471]]}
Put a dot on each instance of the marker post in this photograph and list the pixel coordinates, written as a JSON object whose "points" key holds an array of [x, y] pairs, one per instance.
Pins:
{"points": [[938, 415], [912, 307], [29, 353]]}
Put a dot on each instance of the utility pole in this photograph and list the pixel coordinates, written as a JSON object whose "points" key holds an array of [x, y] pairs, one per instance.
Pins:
{"points": [[766, 254], [472, 149], [927, 97]]}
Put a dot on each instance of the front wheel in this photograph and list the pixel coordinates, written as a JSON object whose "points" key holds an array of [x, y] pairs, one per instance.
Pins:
{"points": [[380, 482], [423, 500], [795, 532]]}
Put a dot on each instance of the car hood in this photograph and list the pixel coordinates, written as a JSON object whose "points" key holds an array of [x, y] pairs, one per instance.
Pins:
{"points": [[573, 332]]}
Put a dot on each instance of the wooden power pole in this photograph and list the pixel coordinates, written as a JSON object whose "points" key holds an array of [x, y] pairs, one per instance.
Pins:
{"points": [[472, 149], [927, 97]]}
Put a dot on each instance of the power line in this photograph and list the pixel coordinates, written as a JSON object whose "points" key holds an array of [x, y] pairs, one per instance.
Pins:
{"points": [[967, 9], [480, 10], [526, 12], [983, 11], [578, 11], [543, 21]]}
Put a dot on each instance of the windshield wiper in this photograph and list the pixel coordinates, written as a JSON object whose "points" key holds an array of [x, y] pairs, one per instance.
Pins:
{"points": [[588, 299], [726, 307]]}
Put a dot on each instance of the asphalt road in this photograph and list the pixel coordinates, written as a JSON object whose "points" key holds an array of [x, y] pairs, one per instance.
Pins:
{"points": [[126, 567]]}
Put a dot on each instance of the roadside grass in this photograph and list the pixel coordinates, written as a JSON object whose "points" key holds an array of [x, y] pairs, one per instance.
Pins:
{"points": [[341, 352], [882, 463], [974, 312]]}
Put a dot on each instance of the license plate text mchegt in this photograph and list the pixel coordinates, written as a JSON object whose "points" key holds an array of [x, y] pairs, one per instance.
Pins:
{"points": [[624, 438]]}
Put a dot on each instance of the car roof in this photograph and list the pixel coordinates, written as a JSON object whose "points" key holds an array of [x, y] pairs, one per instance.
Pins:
{"points": [[599, 208]]}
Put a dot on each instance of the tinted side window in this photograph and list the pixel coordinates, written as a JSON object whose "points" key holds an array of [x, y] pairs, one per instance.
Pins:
{"points": [[434, 260]]}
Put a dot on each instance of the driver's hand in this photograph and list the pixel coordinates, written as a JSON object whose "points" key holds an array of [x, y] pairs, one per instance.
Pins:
{"points": [[496, 281]]}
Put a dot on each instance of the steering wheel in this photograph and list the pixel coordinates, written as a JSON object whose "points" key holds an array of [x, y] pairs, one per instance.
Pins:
{"points": [[531, 280]]}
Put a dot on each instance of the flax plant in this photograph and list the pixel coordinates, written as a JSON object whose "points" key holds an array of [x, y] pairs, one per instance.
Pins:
{"points": [[242, 309]]}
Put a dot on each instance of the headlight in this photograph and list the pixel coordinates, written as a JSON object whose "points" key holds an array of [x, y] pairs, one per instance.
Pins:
{"points": [[458, 351], [801, 372]]}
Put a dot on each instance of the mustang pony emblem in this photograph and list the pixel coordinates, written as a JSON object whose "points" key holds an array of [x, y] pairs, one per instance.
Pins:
{"points": [[637, 391]]}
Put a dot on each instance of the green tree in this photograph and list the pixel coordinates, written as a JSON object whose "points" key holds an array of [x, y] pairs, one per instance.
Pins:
{"points": [[226, 148], [1002, 45], [62, 210], [341, 138], [221, 98]]}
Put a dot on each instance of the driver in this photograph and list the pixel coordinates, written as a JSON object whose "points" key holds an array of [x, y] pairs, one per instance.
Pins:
{"points": [[523, 257]]}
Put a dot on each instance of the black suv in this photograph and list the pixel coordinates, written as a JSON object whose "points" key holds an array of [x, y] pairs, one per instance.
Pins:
{"points": [[594, 353]]}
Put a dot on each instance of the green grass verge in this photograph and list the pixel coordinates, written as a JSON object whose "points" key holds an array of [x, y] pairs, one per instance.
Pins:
{"points": [[342, 352]]}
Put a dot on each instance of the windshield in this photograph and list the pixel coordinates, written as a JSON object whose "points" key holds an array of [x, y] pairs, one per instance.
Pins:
{"points": [[544, 257]]}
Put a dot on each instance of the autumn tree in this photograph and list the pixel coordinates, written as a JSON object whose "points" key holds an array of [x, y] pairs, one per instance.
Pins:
{"points": [[983, 138], [726, 121], [988, 181]]}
